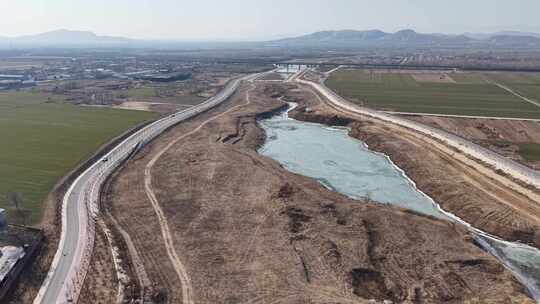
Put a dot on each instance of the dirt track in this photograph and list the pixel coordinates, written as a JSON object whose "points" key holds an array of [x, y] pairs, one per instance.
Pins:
{"points": [[501, 136], [247, 231], [187, 290]]}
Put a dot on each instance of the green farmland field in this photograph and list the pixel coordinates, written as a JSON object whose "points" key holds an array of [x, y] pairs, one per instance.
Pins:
{"points": [[42, 140], [469, 95], [526, 84], [141, 93]]}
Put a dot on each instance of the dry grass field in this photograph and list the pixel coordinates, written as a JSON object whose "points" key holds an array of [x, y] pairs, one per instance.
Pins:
{"points": [[247, 231]]}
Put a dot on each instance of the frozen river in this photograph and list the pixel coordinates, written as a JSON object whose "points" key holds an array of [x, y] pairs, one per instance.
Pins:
{"points": [[346, 165]]}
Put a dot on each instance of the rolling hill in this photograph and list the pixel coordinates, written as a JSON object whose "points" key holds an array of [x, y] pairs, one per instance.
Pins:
{"points": [[403, 38], [351, 39], [65, 38]]}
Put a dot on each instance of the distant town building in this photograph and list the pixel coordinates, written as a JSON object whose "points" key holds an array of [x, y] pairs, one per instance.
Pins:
{"points": [[18, 248], [9, 256], [167, 77], [13, 77]]}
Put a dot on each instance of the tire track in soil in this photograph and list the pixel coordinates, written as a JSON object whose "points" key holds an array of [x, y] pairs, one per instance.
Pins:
{"points": [[187, 289]]}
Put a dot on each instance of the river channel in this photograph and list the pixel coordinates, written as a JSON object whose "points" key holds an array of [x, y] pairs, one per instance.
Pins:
{"points": [[346, 165]]}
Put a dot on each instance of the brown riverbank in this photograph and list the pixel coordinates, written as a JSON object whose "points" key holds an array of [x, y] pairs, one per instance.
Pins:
{"points": [[248, 231], [458, 188]]}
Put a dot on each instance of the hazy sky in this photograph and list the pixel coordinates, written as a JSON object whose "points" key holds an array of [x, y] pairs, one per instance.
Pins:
{"points": [[256, 19]]}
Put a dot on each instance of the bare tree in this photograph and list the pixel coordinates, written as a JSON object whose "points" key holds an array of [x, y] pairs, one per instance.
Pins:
{"points": [[14, 199], [25, 216], [22, 216]]}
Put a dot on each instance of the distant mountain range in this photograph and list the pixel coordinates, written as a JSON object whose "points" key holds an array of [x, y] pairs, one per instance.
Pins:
{"points": [[324, 39], [503, 33], [64, 38], [408, 38]]}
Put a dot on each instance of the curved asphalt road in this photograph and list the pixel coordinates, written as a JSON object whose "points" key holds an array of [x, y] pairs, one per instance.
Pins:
{"points": [[79, 209]]}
